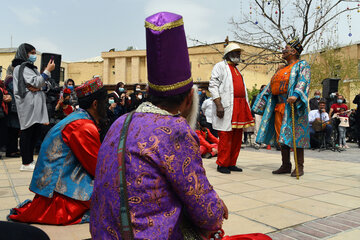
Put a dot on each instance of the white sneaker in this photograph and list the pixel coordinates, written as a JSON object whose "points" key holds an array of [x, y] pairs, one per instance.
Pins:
{"points": [[27, 168]]}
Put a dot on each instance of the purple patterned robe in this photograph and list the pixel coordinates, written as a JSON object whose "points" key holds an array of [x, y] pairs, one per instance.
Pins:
{"points": [[164, 175]]}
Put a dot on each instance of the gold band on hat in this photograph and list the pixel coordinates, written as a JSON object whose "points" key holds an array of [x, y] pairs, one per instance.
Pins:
{"points": [[166, 26], [164, 88]]}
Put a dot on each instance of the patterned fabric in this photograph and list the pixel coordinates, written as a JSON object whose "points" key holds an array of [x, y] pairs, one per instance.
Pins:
{"points": [[89, 87], [57, 168], [265, 103], [280, 81], [164, 175]]}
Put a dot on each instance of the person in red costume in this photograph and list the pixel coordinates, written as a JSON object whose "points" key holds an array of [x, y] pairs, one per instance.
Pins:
{"points": [[63, 107], [208, 142], [64, 174], [231, 108]]}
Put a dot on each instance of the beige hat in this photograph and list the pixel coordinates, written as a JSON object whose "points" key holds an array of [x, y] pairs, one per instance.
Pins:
{"points": [[232, 47]]}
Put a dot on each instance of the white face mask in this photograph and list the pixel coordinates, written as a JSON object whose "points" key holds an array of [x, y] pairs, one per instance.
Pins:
{"points": [[140, 96], [234, 57], [138, 89], [235, 60]]}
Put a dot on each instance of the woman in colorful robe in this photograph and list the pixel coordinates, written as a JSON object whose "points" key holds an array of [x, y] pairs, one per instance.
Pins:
{"points": [[289, 85]]}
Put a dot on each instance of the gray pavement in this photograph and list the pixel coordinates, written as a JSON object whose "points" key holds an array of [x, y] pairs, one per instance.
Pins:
{"points": [[349, 155], [323, 204]]}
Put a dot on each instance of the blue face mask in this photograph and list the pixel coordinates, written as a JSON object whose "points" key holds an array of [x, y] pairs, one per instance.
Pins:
{"points": [[71, 88], [121, 89], [32, 58], [111, 101], [317, 96], [339, 101]]}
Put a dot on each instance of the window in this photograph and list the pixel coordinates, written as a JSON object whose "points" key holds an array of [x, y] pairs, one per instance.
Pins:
{"points": [[62, 74]]}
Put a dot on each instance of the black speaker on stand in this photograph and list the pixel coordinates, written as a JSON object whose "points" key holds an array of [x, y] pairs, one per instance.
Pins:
{"points": [[330, 85], [45, 58]]}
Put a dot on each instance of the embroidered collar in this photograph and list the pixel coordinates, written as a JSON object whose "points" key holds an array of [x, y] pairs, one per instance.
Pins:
{"points": [[148, 107]]}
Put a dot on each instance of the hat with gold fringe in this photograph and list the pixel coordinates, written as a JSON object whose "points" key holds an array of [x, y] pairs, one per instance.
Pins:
{"points": [[168, 64], [295, 43], [89, 87]]}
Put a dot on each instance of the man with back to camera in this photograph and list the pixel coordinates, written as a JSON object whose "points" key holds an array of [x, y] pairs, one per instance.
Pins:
{"points": [[64, 173], [149, 176]]}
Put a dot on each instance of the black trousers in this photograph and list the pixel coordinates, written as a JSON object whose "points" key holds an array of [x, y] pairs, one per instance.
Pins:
{"points": [[20, 231], [12, 141], [3, 132], [358, 128], [28, 139]]}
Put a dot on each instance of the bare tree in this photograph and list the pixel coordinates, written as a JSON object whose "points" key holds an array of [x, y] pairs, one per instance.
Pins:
{"points": [[269, 24]]}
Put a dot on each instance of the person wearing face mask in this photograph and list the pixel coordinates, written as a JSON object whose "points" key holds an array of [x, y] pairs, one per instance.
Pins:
{"points": [[136, 99], [289, 85], [232, 114], [63, 178], [335, 108], [30, 101], [70, 84], [114, 109], [314, 102], [119, 88], [63, 108]]}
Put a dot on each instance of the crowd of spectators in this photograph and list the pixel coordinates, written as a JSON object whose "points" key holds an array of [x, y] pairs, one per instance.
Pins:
{"points": [[328, 116], [57, 103]]}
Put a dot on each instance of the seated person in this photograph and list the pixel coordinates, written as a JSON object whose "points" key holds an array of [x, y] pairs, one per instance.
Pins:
{"points": [[150, 179], [63, 107], [335, 108], [208, 143], [319, 123], [63, 178]]}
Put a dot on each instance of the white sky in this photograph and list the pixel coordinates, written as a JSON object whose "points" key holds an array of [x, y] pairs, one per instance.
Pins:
{"points": [[80, 29]]}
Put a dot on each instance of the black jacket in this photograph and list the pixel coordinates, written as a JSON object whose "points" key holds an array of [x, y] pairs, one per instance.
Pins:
{"points": [[314, 103]]}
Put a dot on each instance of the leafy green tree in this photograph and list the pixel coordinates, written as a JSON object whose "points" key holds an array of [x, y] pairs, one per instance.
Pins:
{"points": [[253, 92], [332, 63]]}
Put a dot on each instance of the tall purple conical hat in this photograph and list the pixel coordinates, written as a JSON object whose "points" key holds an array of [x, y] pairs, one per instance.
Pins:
{"points": [[168, 64]]}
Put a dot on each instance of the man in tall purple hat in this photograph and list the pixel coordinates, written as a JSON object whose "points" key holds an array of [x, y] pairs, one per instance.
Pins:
{"points": [[150, 181]]}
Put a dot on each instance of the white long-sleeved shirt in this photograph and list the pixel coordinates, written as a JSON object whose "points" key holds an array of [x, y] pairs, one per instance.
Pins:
{"points": [[207, 108], [313, 114]]}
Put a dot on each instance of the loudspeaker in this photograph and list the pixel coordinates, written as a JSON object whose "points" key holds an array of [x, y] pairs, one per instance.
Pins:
{"points": [[45, 58], [330, 85]]}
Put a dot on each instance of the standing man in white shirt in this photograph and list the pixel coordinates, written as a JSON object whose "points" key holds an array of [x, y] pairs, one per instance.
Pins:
{"points": [[231, 108], [320, 117]]}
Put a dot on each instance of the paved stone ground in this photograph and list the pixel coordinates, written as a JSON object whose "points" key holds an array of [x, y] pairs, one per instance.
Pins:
{"points": [[323, 204]]}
